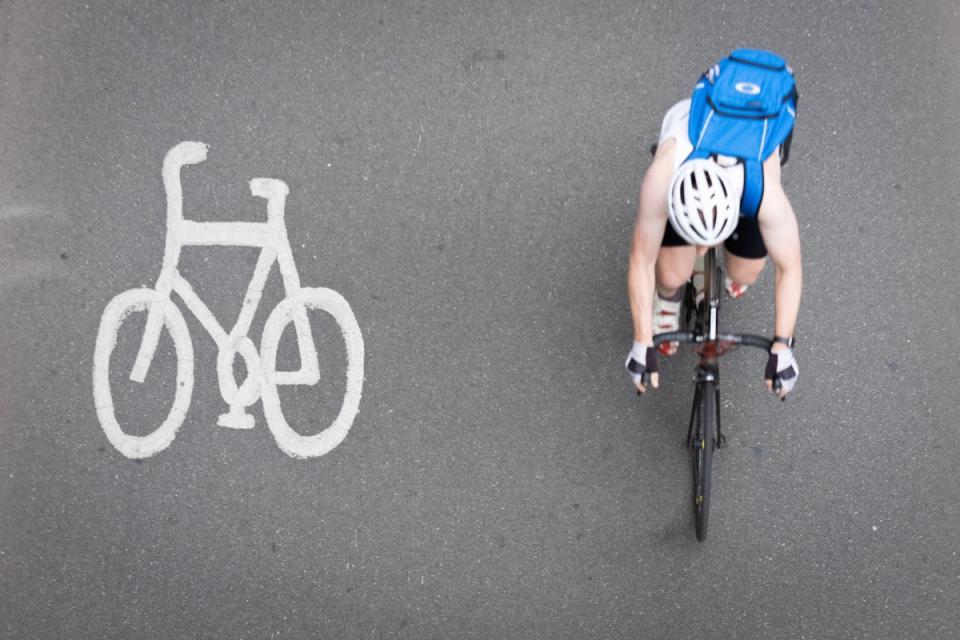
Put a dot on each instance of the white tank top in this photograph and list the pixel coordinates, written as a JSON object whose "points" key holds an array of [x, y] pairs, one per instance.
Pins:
{"points": [[675, 125]]}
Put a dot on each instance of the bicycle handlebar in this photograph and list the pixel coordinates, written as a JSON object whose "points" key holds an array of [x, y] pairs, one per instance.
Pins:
{"points": [[745, 339]]}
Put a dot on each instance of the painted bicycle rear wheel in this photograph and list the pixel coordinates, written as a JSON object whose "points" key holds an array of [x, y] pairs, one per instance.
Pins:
{"points": [[291, 438]]}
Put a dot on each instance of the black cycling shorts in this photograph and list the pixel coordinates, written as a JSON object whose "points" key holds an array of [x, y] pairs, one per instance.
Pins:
{"points": [[746, 241]]}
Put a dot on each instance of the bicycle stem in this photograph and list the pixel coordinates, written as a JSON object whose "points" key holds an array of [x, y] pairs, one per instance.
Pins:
{"points": [[711, 291]]}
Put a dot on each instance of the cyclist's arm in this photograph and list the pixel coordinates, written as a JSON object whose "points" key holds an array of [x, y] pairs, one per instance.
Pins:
{"points": [[647, 236], [781, 235]]}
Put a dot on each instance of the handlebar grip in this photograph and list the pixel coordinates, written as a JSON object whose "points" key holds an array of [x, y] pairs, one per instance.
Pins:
{"points": [[756, 341], [184, 153]]}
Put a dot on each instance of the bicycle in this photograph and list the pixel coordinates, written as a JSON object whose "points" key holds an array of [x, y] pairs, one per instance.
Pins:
{"points": [[262, 377], [711, 346]]}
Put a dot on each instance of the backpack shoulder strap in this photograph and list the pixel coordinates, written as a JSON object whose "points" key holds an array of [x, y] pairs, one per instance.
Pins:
{"points": [[752, 188]]}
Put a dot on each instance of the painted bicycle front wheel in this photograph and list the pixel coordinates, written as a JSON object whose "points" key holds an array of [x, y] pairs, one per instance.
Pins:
{"points": [[149, 440]]}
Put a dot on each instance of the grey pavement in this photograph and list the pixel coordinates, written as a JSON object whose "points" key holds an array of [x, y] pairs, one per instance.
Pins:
{"points": [[465, 174]]}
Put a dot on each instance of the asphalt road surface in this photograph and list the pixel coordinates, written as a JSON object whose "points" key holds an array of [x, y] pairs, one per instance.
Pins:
{"points": [[465, 176]]}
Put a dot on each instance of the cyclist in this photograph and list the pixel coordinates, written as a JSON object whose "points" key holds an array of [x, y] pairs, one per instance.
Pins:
{"points": [[701, 199]]}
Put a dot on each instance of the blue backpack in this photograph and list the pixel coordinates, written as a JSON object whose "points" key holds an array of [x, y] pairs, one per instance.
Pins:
{"points": [[744, 107]]}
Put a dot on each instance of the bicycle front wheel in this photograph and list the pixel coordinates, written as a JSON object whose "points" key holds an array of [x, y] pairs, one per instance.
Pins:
{"points": [[703, 445], [291, 441], [116, 312]]}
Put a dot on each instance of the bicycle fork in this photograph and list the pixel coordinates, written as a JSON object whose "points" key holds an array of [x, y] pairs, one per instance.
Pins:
{"points": [[184, 154], [151, 338], [705, 374]]}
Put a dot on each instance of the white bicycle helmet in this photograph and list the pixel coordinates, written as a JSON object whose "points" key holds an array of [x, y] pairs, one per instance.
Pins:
{"points": [[703, 203]]}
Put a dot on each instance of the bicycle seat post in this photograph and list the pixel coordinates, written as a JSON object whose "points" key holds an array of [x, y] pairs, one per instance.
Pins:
{"points": [[275, 193]]}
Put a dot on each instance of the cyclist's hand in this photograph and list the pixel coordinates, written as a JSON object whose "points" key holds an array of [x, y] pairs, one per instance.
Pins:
{"points": [[782, 366], [643, 360]]}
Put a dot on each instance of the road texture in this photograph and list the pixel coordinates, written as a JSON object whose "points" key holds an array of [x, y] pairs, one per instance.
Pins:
{"points": [[465, 175]]}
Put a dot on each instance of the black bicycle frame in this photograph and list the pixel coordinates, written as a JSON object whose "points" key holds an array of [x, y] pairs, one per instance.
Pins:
{"points": [[711, 346], [708, 369]]}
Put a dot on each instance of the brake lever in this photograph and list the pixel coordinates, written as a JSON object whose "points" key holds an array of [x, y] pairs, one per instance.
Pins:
{"points": [[645, 381], [777, 386]]}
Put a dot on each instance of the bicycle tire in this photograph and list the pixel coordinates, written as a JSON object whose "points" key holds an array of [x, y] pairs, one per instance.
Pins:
{"points": [[116, 311], [288, 439], [703, 445]]}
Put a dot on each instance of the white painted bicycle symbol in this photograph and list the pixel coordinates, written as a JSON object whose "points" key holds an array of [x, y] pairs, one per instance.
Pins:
{"points": [[262, 377]]}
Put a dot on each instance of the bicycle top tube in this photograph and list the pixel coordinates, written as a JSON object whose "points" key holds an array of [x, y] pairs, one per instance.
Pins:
{"points": [[711, 291], [229, 234]]}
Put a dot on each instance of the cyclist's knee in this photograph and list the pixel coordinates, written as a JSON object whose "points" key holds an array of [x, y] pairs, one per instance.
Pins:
{"points": [[744, 271], [669, 280], [674, 267]]}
